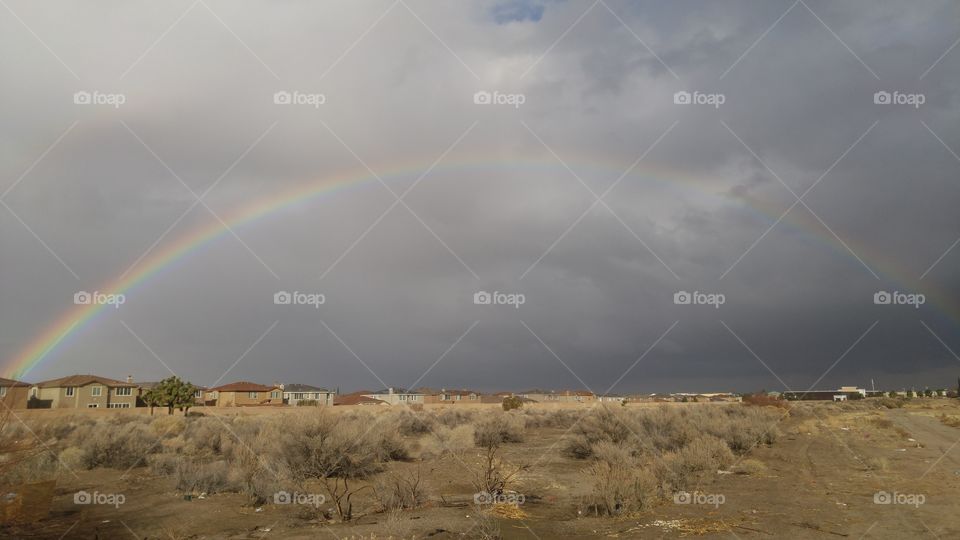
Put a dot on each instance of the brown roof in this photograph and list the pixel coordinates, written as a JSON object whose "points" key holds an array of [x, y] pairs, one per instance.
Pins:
{"points": [[243, 386], [83, 380], [11, 382], [357, 399]]}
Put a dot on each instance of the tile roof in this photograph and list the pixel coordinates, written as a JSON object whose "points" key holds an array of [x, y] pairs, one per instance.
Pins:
{"points": [[83, 380], [243, 386]]}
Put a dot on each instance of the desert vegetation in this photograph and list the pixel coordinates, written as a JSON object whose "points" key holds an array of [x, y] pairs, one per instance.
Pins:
{"points": [[634, 457]]}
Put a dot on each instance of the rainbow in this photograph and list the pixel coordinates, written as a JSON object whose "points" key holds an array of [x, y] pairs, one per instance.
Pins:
{"points": [[72, 321]]}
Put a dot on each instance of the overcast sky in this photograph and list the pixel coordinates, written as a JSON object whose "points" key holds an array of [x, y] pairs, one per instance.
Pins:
{"points": [[710, 196]]}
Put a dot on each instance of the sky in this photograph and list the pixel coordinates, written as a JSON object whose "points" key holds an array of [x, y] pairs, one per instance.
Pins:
{"points": [[657, 196]]}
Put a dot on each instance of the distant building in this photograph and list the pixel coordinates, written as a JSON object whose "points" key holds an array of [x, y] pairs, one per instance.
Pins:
{"points": [[293, 394], [14, 394], [245, 394], [842, 394], [565, 396], [398, 397], [445, 396], [358, 398], [84, 392]]}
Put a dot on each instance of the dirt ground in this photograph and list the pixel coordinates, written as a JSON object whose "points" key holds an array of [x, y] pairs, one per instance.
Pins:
{"points": [[838, 470]]}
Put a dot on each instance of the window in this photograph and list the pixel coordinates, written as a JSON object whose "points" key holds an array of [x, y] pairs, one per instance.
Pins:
{"points": [[252, 395], [118, 406], [3, 391], [92, 405], [70, 391], [198, 394], [96, 390], [125, 391], [274, 395]]}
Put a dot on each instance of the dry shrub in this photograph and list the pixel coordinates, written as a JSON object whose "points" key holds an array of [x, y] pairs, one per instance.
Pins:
{"points": [[707, 453], [889, 403], [880, 422], [444, 440], [163, 464], [120, 446], [949, 420], [400, 490], [168, 426], [410, 422], [198, 477], [73, 458], [877, 464], [621, 487], [499, 428], [751, 467], [452, 418]]}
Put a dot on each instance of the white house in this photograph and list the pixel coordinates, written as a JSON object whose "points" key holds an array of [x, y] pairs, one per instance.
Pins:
{"points": [[394, 397], [293, 394]]}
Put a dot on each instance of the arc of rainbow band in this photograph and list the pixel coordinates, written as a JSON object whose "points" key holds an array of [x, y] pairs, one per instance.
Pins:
{"points": [[75, 319]]}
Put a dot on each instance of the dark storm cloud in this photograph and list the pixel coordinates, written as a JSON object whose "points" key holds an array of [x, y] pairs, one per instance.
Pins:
{"points": [[501, 211]]}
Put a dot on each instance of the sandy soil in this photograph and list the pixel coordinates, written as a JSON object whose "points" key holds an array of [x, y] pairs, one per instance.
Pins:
{"points": [[821, 480]]}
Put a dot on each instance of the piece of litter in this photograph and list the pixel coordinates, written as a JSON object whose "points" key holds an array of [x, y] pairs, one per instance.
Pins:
{"points": [[259, 509]]}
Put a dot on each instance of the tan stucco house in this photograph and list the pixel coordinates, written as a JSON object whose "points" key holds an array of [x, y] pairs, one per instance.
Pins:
{"points": [[244, 394], [14, 394], [85, 392]]}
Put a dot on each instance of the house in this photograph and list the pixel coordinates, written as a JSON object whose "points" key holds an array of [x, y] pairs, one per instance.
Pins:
{"points": [[611, 398], [199, 395], [450, 397], [84, 392], [565, 396], [14, 394], [398, 396], [293, 394], [842, 394], [358, 398], [245, 394]]}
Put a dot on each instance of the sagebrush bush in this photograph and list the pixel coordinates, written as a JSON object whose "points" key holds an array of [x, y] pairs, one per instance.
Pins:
{"points": [[620, 487], [199, 477], [496, 429]]}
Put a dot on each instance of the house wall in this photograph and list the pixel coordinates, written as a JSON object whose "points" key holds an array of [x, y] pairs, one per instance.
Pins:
{"points": [[322, 398], [242, 399], [16, 397]]}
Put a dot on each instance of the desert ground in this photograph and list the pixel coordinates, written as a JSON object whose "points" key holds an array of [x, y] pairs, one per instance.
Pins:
{"points": [[874, 468]]}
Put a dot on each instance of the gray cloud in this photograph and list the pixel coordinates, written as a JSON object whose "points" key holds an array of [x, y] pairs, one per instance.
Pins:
{"points": [[499, 203]]}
